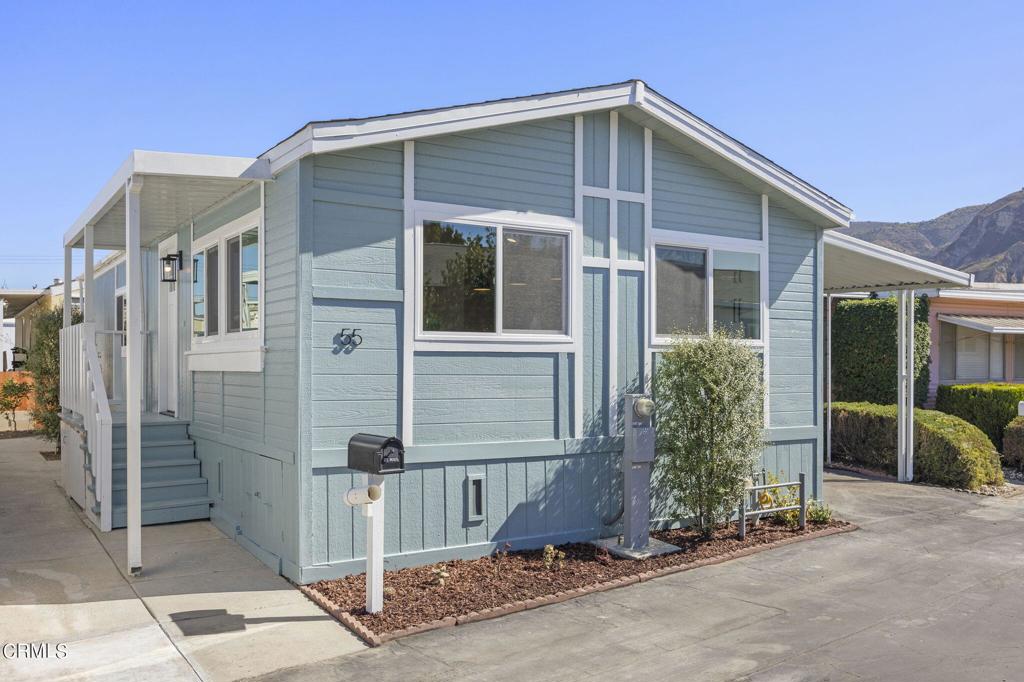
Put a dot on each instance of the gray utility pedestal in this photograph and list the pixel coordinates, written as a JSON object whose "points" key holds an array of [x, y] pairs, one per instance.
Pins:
{"points": [[637, 460]]}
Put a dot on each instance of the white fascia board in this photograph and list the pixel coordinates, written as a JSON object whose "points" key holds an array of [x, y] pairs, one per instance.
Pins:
{"points": [[142, 162], [932, 274], [673, 115], [318, 138], [983, 295]]}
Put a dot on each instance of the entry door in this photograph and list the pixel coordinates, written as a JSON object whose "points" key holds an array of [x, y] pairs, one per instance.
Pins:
{"points": [[167, 336]]}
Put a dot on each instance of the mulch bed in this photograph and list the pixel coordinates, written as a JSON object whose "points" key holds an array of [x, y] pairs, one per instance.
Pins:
{"points": [[512, 581]]}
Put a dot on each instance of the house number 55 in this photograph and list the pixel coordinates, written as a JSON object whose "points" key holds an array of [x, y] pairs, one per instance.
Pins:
{"points": [[350, 337]]}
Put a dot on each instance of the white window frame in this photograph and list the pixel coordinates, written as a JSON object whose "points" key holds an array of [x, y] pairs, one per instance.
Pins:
{"points": [[236, 351], [709, 244], [500, 340]]}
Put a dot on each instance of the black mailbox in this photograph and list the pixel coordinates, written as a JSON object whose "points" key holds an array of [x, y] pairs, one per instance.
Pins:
{"points": [[376, 454]]}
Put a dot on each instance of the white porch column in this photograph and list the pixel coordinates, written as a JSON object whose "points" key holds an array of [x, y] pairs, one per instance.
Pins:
{"points": [[908, 466], [828, 376], [901, 385], [88, 282], [133, 373], [67, 286]]}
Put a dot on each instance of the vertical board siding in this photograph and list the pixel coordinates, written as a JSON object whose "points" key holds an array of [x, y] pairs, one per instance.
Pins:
{"points": [[631, 230], [526, 503], [631, 156], [595, 351], [691, 197], [788, 460], [357, 218], [793, 352], [254, 491], [485, 397], [595, 227], [596, 141], [354, 389], [522, 167], [631, 338]]}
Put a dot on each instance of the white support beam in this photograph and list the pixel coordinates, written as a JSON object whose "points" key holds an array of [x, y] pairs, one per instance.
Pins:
{"points": [[89, 281], [908, 466], [67, 286], [133, 373], [828, 376]]}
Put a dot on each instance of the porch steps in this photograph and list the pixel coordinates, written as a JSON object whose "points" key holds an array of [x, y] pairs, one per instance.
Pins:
{"points": [[173, 488]]}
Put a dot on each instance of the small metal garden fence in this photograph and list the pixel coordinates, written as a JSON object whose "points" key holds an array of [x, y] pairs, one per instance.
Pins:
{"points": [[749, 509]]}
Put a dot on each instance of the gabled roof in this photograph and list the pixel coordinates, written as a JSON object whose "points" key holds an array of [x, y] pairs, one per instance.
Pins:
{"points": [[334, 135]]}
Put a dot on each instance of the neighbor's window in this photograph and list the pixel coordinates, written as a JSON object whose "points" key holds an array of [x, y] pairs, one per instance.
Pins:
{"points": [[684, 290], [737, 292], [461, 290], [681, 280]]}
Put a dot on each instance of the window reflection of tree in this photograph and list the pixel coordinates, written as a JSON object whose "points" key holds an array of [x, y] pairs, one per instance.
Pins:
{"points": [[464, 298]]}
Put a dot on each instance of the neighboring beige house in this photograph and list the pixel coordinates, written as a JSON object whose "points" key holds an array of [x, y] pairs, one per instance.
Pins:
{"points": [[976, 335], [24, 305]]}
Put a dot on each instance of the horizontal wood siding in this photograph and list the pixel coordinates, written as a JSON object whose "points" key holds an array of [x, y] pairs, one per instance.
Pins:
{"points": [[242, 202], [245, 423], [485, 397], [522, 167], [691, 197], [793, 305]]}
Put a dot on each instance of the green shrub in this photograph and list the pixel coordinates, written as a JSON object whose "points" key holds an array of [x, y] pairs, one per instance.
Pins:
{"points": [[864, 350], [1013, 443], [990, 407], [947, 450], [818, 512], [710, 425], [44, 364]]}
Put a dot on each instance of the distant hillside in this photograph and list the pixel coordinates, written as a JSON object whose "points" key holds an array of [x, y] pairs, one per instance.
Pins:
{"points": [[987, 240]]}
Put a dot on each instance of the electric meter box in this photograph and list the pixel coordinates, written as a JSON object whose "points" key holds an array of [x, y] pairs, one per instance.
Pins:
{"points": [[376, 454]]}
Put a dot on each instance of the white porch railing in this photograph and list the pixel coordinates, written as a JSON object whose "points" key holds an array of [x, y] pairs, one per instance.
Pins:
{"points": [[82, 391]]}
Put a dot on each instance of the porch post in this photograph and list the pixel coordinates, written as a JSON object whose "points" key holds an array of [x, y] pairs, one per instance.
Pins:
{"points": [[88, 283], [828, 376], [908, 467], [67, 286], [133, 373], [901, 385]]}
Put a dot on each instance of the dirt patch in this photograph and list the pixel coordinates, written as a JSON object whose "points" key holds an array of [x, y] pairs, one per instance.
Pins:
{"points": [[50, 455], [414, 596], [4, 435]]}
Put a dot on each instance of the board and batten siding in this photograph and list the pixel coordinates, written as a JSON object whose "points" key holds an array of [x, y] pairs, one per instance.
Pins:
{"points": [[244, 423], [507, 416]]}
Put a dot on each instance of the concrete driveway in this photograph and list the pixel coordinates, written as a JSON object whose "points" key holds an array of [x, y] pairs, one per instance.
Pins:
{"points": [[931, 588], [203, 608]]}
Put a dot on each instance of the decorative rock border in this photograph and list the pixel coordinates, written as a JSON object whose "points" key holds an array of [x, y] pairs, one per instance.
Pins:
{"points": [[374, 639]]}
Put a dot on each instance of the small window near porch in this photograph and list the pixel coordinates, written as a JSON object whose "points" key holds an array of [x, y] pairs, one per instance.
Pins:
{"points": [[243, 281], [199, 294]]}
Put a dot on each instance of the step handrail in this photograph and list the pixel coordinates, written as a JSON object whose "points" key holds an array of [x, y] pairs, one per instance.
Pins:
{"points": [[98, 417]]}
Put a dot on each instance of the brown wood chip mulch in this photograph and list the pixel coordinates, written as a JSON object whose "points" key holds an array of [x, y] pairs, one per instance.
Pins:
{"points": [[512, 581]]}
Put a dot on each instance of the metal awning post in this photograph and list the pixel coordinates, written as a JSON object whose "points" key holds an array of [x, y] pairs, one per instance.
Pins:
{"points": [[828, 377], [133, 374], [908, 467], [901, 385]]}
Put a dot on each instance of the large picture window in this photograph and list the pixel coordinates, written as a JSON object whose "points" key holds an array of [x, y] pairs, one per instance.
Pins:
{"points": [[700, 287], [493, 280]]}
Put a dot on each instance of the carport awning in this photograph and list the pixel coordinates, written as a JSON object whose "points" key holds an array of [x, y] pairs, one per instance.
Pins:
{"points": [[987, 323], [855, 265], [17, 300]]}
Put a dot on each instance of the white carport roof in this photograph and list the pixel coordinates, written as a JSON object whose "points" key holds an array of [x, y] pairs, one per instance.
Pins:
{"points": [[987, 323], [852, 264], [176, 188]]}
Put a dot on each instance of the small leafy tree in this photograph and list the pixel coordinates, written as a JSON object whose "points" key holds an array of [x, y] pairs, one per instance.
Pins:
{"points": [[12, 393], [710, 423], [44, 364]]}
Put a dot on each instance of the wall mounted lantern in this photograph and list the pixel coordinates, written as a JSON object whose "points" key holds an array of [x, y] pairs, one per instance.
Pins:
{"points": [[169, 267]]}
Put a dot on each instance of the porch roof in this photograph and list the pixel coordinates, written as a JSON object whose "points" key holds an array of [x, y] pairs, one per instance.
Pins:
{"points": [[992, 324], [855, 265], [176, 188]]}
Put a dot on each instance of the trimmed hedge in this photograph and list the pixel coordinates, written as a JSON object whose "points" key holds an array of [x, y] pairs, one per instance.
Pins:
{"points": [[864, 351], [947, 450], [989, 406], [1013, 443]]}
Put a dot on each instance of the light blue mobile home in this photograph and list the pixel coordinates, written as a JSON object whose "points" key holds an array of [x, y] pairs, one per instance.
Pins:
{"points": [[484, 281]]}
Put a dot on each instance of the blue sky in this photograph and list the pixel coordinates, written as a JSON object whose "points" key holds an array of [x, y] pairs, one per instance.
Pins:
{"points": [[900, 110]]}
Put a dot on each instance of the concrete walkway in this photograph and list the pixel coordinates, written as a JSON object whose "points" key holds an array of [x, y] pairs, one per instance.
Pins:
{"points": [[931, 588], [204, 608]]}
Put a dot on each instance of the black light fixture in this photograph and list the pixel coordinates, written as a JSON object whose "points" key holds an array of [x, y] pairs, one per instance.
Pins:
{"points": [[169, 266]]}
